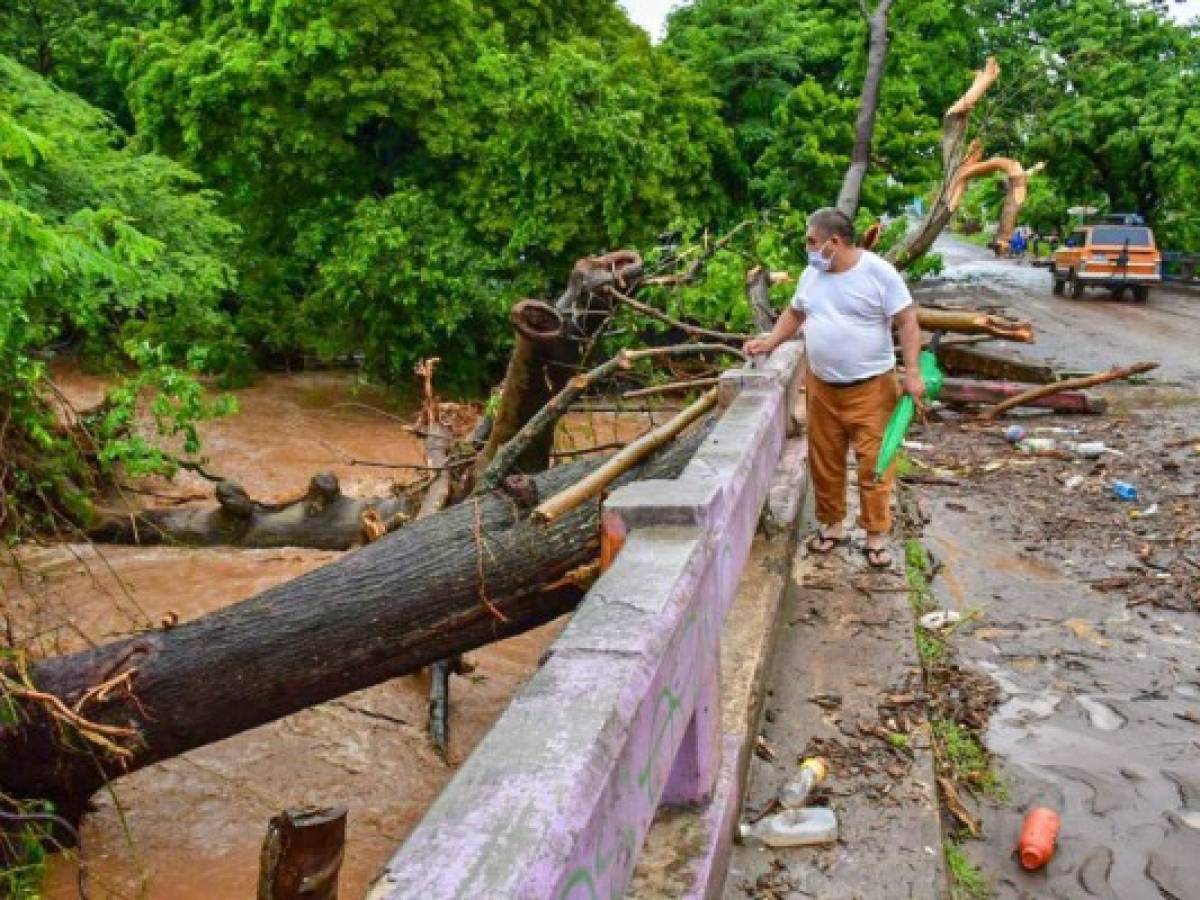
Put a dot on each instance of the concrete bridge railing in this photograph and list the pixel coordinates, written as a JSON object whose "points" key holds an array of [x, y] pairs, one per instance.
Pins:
{"points": [[557, 799]]}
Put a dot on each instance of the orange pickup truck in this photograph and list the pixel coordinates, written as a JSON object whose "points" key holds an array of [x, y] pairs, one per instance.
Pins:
{"points": [[1111, 256]]}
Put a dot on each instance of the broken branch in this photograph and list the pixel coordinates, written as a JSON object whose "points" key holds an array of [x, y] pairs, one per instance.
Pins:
{"points": [[1070, 384], [622, 462]]}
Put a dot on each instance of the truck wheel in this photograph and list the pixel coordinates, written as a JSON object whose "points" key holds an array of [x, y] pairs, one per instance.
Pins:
{"points": [[1141, 292], [1076, 287], [1117, 292], [1059, 284]]}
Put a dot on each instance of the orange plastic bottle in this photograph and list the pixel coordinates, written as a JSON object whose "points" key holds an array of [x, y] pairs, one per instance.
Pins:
{"points": [[1035, 846]]}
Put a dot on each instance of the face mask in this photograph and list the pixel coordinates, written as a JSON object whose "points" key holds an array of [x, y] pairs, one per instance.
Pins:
{"points": [[818, 260]]}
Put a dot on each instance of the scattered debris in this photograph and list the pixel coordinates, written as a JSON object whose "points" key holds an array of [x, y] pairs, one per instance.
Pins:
{"points": [[939, 619]]}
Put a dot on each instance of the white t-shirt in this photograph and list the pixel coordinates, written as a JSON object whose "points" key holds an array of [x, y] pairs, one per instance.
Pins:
{"points": [[848, 318]]}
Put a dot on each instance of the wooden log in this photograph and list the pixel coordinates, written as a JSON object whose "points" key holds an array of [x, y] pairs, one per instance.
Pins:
{"points": [[457, 580], [1026, 397], [959, 391], [302, 855], [966, 321], [322, 518], [958, 358], [629, 456]]}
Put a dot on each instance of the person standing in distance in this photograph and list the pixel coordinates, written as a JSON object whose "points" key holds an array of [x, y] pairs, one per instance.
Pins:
{"points": [[848, 301]]}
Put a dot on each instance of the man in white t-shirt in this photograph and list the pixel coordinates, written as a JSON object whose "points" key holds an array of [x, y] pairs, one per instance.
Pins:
{"points": [[848, 301]]}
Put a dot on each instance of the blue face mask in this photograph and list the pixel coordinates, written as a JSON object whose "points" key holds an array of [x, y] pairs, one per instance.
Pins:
{"points": [[818, 260]]}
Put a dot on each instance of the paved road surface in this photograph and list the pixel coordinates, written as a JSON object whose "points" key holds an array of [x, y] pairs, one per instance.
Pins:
{"points": [[1093, 333]]}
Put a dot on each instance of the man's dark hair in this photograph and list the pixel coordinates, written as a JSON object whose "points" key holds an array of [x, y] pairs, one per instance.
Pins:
{"points": [[832, 223]]}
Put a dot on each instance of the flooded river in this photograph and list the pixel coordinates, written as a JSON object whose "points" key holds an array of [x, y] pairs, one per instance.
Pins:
{"points": [[191, 827]]}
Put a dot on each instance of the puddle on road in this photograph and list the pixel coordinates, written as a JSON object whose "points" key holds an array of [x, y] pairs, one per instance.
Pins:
{"points": [[1089, 725], [191, 828]]}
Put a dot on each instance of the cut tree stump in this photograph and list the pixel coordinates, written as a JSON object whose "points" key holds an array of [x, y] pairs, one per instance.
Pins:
{"points": [[302, 855], [457, 580], [552, 344]]}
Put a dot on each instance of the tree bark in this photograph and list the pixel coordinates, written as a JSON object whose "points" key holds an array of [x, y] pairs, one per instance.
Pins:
{"points": [[758, 295], [967, 321], [552, 344], [458, 580], [324, 519], [955, 153], [864, 127]]}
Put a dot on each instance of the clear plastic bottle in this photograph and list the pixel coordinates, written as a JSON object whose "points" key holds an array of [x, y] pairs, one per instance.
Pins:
{"points": [[794, 828], [795, 793]]}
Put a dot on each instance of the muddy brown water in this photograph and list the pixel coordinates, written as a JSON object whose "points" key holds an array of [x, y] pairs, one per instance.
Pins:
{"points": [[191, 827]]}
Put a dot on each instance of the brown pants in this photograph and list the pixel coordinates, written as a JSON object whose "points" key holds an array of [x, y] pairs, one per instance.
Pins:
{"points": [[837, 418]]}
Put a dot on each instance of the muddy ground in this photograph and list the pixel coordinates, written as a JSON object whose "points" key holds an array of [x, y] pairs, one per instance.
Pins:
{"points": [[1080, 606]]}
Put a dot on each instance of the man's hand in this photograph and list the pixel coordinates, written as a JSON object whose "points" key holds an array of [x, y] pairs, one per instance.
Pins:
{"points": [[914, 386], [759, 345]]}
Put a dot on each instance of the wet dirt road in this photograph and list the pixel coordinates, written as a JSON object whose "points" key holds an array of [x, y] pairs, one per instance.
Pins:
{"points": [[191, 828], [1089, 334], [1101, 688]]}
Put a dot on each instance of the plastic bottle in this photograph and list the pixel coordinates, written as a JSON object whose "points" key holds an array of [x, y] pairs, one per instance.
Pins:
{"points": [[794, 828], [1015, 434], [1035, 846], [1123, 490], [1089, 449], [795, 793], [1037, 445]]}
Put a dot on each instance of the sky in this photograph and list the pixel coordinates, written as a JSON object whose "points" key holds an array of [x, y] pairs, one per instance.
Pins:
{"points": [[650, 14]]}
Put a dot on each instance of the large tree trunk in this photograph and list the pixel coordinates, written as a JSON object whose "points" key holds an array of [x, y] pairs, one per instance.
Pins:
{"points": [[864, 127], [552, 344], [324, 518], [462, 578]]}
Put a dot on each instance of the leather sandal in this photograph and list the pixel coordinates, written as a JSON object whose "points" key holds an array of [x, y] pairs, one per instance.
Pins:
{"points": [[821, 542], [878, 557]]}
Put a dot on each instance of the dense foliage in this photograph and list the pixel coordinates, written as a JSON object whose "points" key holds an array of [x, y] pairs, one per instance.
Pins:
{"points": [[1105, 91], [117, 252]]}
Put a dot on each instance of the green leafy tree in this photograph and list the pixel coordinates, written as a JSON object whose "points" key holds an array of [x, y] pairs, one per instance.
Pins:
{"points": [[540, 132], [108, 249], [1104, 90], [788, 75]]}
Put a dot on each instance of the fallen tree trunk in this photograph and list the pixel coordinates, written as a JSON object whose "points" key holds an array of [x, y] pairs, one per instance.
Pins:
{"points": [[958, 391], [966, 321], [323, 518], [1038, 393], [552, 344], [462, 578]]}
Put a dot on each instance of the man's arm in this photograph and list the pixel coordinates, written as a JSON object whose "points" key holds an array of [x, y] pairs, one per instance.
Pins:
{"points": [[786, 326], [910, 348]]}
